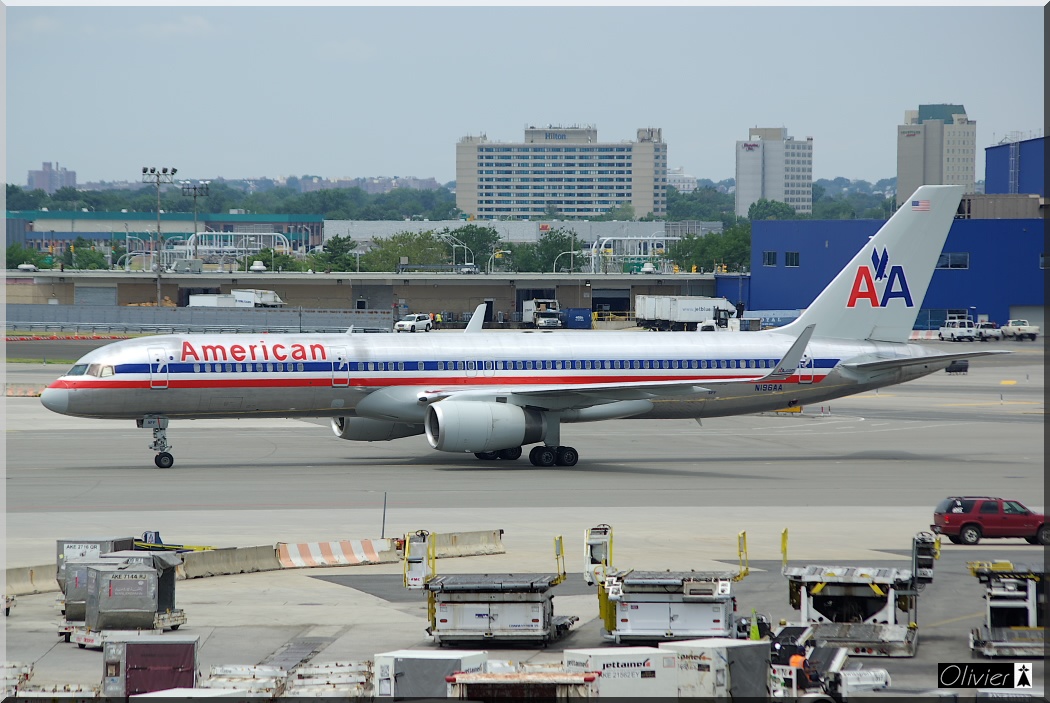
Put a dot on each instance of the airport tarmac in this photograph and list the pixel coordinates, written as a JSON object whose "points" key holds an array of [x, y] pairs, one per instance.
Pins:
{"points": [[852, 482]]}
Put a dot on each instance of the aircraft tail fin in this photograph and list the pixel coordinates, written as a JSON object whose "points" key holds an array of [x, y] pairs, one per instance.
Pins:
{"points": [[878, 295], [477, 320]]}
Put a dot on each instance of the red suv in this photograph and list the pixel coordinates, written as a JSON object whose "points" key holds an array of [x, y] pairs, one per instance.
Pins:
{"points": [[965, 520]]}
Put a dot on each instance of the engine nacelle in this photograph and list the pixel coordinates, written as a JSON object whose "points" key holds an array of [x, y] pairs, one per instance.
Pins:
{"points": [[365, 429], [476, 426]]}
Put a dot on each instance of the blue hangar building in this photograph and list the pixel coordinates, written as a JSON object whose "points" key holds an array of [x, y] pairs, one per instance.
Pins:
{"points": [[992, 267]]}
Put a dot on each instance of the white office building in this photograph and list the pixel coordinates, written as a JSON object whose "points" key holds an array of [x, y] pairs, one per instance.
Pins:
{"points": [[681, 181], [774, 166], [563, 171], [936, 145]]}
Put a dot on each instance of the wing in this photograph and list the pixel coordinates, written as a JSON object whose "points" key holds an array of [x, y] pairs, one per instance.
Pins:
{"points": [[575, 396]]}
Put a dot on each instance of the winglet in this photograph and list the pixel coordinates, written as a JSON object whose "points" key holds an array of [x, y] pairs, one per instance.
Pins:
{"points": [[789, 363], [477, 320]]}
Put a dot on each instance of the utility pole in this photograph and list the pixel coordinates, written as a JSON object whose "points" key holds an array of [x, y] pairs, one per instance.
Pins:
{"points": [[151, 174], [195, 190]]}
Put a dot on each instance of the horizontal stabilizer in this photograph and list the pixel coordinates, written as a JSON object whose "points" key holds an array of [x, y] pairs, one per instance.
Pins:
{"points": [[789, 363], [900, 363]]}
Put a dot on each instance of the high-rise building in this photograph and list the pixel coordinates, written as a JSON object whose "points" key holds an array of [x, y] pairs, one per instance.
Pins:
{"points": [[50, 179], [936, 145], [774, 166], [564, 171]]}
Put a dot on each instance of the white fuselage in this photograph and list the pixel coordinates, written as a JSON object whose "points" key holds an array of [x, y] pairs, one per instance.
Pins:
{"points": [[302, 375]]}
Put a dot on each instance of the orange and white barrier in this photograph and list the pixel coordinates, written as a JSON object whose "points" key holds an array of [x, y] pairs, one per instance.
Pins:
{"points": [[342, 553]]}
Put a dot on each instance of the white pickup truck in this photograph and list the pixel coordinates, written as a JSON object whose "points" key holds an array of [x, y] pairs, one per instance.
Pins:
{"points": [[1020, 330], [989, 331], [958, 331]]}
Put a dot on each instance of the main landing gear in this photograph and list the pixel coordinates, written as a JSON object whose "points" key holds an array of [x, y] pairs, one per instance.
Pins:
{"points": [[159, 425], [539, 456]]}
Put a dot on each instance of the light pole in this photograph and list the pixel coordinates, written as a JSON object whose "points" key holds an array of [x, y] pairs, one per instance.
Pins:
{"points": [[570, 253], [194, 190], [156, 176], [499, 253]]}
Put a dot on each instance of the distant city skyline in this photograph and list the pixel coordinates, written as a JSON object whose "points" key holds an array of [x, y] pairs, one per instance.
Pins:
{"points": [[359, 92]]}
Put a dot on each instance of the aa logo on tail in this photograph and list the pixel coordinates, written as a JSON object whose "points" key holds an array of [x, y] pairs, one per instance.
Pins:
{"points": [[868, 280]]}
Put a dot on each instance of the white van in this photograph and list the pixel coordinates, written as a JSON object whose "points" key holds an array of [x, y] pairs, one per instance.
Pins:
{"points": [[958, 331]]}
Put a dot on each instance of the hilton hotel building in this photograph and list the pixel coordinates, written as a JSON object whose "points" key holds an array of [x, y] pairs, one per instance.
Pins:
{"points": [[773, 166], [567, 169]]}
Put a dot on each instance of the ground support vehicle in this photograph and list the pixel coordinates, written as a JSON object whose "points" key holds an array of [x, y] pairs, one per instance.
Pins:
{"points": [[494, 607], [650, 606], [869, 611], [989, 332], [1020, 330], [957, 331], [680, 312], [542, 313], [1015, 608], [84, 637]]}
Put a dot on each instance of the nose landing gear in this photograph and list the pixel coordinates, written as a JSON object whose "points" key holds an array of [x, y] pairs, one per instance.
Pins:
{"points": [[159, 425]]}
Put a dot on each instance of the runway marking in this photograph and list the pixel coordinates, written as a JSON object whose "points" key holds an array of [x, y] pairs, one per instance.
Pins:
{"points": [[1008, 383], [1001, 402], [978, 614]]}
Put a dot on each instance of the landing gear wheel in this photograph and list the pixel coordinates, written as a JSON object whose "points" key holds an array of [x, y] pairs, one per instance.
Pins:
{"points": [[542, 456], [971, 534], [487, 456], [567, 456], [164, 460], [510, 454]]}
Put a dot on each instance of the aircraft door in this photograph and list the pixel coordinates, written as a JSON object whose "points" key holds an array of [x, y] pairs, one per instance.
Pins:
{"points": [[805, 369], [340, 368], [158, 367]]}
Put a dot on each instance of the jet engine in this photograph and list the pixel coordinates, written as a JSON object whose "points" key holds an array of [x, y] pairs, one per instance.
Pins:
{"points": [[476, 426], [365, 429]]}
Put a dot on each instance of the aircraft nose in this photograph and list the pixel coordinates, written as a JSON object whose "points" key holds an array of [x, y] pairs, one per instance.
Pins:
{"points": [[55, 399]]}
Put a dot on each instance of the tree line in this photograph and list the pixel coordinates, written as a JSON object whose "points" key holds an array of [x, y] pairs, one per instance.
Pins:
{"points": [[729, 249]]}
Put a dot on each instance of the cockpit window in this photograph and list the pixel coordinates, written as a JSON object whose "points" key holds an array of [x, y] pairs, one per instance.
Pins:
{"points": [[107, 371], [94, 370], [78, 370]]}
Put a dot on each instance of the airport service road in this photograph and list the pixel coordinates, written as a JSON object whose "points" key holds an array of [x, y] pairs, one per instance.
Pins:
{"points": [[851, 485]]}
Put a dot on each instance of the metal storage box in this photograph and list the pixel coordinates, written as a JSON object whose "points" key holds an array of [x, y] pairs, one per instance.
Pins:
{"points": [[84, 549], [637, 673], [164, 562], [716, 667], [134, 664], [75, 587], [407, 673], [121, 597]]}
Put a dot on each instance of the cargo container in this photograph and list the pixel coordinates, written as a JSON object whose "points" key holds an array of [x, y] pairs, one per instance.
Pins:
{"points": [[578, 318], [638, 673], [134, 664], [717, 667], [84, 549], [407, 673]]}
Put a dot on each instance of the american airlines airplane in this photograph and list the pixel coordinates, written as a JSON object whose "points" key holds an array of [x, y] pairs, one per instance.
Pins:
{"points": [[492, 394]]}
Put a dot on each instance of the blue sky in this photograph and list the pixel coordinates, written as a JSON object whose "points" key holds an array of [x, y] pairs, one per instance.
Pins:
{"points": [[369, 91]]}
